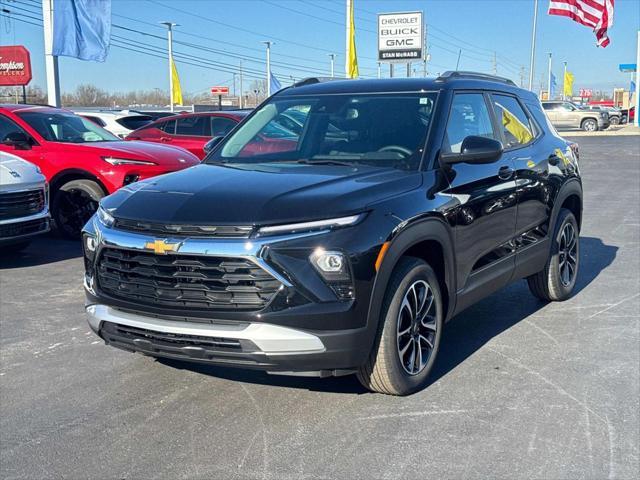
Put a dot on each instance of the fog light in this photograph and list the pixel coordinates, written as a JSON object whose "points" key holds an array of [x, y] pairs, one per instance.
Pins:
{"points": [[331, 265], [330, 262], [90, 243]]}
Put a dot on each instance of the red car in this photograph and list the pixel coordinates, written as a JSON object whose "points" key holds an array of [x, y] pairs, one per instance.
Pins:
{"points": [[82, 161], [189, 130]]}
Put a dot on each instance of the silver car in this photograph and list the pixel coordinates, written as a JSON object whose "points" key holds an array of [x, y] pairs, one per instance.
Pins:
{"points": [[24, 202], [566, 115]]}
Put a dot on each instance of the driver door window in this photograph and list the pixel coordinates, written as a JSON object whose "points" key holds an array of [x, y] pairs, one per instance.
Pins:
{"points": [[469, 115]]}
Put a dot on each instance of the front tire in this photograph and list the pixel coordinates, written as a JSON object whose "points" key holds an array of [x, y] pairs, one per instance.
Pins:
{"points": [[409, 333], [590, 125], [73, 205], [558, 278]]}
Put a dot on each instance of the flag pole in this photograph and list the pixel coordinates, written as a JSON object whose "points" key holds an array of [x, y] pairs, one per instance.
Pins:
{"points": [[564, 82], [637, 118], [50, 60], [268, 44], [533, 44], [549, 79], [347, 38]]}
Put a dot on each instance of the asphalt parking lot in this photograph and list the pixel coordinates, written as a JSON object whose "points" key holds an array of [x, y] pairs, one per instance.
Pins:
{"points": [[521, 389]]}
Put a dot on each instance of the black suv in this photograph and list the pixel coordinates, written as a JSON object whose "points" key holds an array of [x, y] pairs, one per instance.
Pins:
{"points": [[345, 246]]}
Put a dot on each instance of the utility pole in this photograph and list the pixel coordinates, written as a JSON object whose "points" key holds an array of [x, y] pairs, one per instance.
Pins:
{"points": [[391, 72], [268, 44], [408, 70], [50, 61], [170, 26], [533, 44], [332, 56], [458, 62], [426, 53], [379, 72], [549, 79], [241, 90], [495, 64], [522, 77]]}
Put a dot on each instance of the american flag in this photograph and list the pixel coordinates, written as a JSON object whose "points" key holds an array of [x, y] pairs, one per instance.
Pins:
{"points": [[597, 14]]}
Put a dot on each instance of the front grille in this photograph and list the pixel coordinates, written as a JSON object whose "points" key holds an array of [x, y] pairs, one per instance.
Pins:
{"points": [[21, 204], [19, 229], [185, 282], [160, 229]]}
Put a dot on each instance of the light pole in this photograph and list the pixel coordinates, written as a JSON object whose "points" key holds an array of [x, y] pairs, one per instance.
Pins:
{"points": [[533, 44], [170, 26], [332, 56], [549, 79], [268, 44], [379, 72]]}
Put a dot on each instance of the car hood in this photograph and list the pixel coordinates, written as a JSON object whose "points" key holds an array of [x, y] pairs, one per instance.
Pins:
{"points": [[258, 194], [163, 155], [16, 173]]}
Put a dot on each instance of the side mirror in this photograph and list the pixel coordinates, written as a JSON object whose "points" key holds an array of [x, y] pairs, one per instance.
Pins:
{"points": [[475, 150], [211, 144], [17, 140]]}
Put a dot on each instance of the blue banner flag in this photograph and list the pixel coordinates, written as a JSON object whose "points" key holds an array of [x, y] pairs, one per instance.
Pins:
{"points": [[632, 87], [274, 83], [552, 88], [82, 29]]}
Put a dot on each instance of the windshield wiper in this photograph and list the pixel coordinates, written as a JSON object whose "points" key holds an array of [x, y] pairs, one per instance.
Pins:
{"points": [[325, 161]]}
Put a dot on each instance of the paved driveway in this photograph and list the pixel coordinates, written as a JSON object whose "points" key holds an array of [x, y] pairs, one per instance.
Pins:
{"points": [[521, 389]]}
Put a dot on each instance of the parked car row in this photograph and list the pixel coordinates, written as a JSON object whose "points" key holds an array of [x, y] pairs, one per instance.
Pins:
{"points": [[82, 161], [568, 115]]}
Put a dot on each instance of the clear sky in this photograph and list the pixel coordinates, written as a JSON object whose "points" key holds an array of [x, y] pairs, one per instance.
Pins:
{"points": [[220, 32]]}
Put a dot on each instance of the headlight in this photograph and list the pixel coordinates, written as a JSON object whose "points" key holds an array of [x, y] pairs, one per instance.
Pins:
{"points": [[126, 161], [105, 217], [310, 226], [330, 264]]}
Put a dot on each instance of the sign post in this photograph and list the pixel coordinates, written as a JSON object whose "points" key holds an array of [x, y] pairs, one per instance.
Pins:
{"points": [[219, 91], [400, 38]]}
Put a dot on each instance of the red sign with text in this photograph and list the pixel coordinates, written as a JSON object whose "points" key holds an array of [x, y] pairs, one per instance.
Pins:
{"points": [[219, 90], [586, 93], [15, 66]]}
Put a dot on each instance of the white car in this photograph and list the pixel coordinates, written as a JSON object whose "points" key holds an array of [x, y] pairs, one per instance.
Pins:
{"points": [[118, 122], [24, 202]]}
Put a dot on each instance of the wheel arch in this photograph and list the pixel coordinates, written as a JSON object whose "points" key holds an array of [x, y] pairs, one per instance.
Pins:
{"points": [[65, 176], [429, 239], [570, 197]]}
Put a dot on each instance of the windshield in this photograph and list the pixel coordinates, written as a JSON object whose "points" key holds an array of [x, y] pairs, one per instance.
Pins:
{"points": [[381, 130], [66, 127]]}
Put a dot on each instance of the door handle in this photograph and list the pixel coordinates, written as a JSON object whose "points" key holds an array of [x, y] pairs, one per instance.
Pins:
{"points": [[505, 173], [165, 139]]}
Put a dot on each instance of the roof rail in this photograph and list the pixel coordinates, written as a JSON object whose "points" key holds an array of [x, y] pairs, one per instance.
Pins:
{"points": [[314, 80], [473, 75]]}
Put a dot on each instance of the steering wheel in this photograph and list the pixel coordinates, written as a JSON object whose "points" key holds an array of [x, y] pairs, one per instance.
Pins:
{"points": [[397, 148]]}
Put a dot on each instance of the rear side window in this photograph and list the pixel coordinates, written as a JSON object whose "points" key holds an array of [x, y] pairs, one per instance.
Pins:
{"points": [[193, 126], [517, 128], [96, 120], [220, 126], [469, 116], [167, 127]]}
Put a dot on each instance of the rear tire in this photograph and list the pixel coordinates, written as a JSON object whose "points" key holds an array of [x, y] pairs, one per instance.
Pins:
{"points": [[589, 125], [73, 205], [558, 278], [614, 120], [409, 333]]}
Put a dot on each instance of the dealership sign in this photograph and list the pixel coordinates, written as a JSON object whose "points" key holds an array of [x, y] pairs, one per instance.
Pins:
{"points": [[400, 37], [15, 66], [219, 90], [586, 93]]}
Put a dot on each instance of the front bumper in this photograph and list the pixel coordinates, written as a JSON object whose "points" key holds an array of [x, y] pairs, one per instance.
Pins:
{"points": [[19, 229], [262, 346]]}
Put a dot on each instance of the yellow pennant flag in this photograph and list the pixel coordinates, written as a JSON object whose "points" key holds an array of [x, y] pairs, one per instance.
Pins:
{"points": [[177, 91], [515, 127], [352, 57], [568, 84]]}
